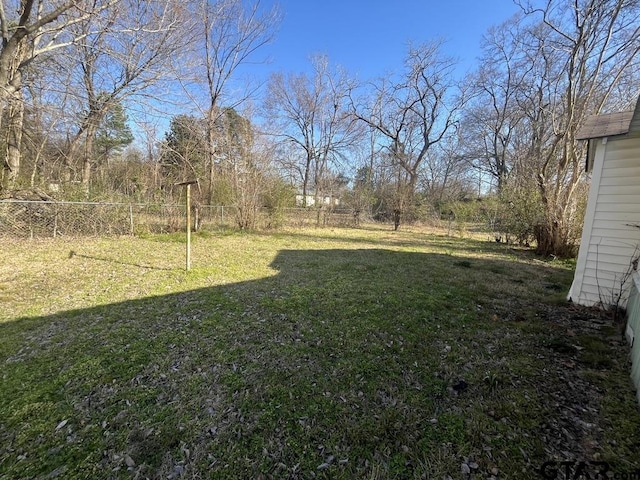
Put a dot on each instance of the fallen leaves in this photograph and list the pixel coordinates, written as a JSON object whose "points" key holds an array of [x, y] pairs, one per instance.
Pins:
{"points": [[62, 424], [434, 377]]}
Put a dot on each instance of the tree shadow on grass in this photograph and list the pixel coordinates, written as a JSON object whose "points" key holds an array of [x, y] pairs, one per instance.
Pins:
{"points": [[346, 364], [72, 253], [449, 243]]}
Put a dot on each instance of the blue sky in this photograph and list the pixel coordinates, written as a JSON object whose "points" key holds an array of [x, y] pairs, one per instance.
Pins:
{"points": [[370, 37]]}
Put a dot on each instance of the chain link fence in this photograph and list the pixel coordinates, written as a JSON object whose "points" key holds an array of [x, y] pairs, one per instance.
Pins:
{"points": [[46, 219]]}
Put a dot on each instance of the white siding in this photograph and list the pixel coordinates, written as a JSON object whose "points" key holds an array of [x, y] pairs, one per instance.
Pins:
{"points": [[633, 331], [610, 238]]}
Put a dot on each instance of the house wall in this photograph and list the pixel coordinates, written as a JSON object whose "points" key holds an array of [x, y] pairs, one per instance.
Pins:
{"points": [[635, 121], [633, 331], [611, 234]]}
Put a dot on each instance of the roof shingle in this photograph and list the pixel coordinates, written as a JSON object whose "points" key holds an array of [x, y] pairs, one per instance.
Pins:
{"points": [[605, 125]]}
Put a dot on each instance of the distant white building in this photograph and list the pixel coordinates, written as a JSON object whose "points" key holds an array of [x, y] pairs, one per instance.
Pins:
{"points": [[327, 200]]}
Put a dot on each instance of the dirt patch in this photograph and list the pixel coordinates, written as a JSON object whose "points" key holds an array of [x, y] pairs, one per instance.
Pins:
{"points": [[582, 353]]}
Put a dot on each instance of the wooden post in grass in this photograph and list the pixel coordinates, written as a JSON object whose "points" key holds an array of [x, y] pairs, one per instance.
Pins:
{"points": [[188, 184], [131, 219]]}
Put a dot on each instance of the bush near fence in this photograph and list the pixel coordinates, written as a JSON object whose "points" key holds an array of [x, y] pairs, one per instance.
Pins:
{"points": [[50, 219]]}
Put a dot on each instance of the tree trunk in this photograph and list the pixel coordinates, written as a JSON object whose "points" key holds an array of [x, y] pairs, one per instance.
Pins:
{"points": [[11, 58], [553, 238], [305, 182], [212, 167], [15, 116], [502, 178], [397, 215], [211, 148], [87, 157]]}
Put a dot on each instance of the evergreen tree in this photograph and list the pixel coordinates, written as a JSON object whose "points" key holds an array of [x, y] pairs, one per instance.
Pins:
{"points": [[114, 134]]}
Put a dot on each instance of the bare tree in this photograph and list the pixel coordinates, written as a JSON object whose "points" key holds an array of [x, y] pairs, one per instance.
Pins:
{"points": [[444, 175], [579, 54], [491, 120], [413, 115], [248, 163], [31, 29], [228, 35], [124, 52], [41, 27], [543, 72], [311, 115]]}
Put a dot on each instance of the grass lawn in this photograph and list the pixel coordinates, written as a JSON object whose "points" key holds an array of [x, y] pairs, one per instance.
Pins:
{"points": [[333, 353]]}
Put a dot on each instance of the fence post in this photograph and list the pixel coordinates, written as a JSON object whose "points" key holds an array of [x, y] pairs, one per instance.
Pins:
{"points": [[131, 218]]}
